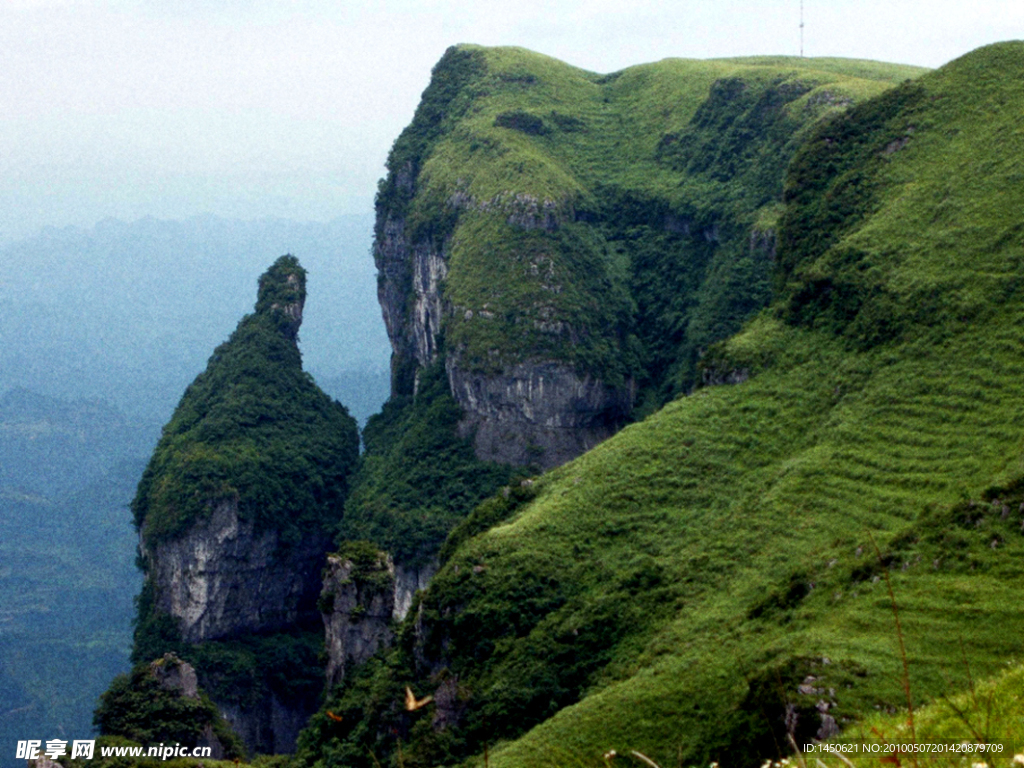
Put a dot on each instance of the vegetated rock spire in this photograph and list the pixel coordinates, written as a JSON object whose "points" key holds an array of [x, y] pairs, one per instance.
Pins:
{"points": [[236, 512], [282, 294]]}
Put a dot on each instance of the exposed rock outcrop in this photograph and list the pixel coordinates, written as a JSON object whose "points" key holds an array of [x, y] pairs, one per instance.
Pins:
{"points": [[410, 579], [537, 412], [222, 578], [271, 728], [362, 597], [179, 677], [409, 291], [358, 604], [175, 675]]}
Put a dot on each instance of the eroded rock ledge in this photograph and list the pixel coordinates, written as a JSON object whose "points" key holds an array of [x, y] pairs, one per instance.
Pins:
{"points": [[540, 412]]}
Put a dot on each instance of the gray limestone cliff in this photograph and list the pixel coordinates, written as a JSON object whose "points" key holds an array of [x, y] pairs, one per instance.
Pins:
{"points": [[364, 596], [223, 578], [532, 405], [271, 728], [535, 410], [409, 580], [539, 411], [358, 605]]}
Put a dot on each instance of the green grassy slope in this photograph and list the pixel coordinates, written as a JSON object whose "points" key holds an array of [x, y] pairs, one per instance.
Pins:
{"points": [[671, 590], [565, 198], [987, 713], [600, 220]]}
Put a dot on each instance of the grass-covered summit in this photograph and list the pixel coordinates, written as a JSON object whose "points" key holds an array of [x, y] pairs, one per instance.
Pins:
{"points": [[253, 427], [556, 245], [618, 223], [713, 580]]}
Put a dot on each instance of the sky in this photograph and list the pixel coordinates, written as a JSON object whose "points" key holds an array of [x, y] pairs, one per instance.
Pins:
{"points": [[287, 108]]}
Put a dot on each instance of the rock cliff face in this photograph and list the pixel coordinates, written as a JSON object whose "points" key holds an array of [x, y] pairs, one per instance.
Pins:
{"points": [[408, 581], [222, 578], [571, 256], [537, 410], [409, 270], [358, 606], [363, 597], [271, 728]]}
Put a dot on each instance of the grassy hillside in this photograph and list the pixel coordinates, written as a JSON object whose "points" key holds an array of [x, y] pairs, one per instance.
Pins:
{"points": [[683, 586], [606, 220], [603, 220], [987, 713]]}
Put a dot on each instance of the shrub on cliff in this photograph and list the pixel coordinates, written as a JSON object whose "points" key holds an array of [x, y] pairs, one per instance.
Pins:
{"points": [[145, 707], [417, 479]]}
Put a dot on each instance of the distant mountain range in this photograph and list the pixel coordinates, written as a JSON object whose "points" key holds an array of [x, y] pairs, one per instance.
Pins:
{"points": [[100, 331], [129, 312]]}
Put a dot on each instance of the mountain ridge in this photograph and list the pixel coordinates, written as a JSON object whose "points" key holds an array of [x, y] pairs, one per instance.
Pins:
{"points": [[517, 188], [673, 589], [811, 287]]}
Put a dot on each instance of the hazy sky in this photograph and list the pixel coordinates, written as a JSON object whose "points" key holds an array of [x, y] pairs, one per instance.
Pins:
{"points": [[253, 108]]}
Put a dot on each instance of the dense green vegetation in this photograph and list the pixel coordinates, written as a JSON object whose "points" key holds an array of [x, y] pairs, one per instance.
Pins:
{"points": [[679, 589], [243, 670], [606, 220], [416, 479], [576, 228], [253, 427], [256, 429], [139, 708]]}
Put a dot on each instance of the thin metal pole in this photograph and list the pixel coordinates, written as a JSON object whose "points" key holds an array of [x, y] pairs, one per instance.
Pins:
{"points": [[801, 29]]}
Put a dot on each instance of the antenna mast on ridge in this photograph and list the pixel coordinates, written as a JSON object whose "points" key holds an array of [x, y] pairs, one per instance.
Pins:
{"points": [[801, 29]]}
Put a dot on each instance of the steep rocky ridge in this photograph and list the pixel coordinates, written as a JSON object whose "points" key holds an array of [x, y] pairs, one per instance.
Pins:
{"points": [[235, 515], [566, 242], [713, 581]]}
